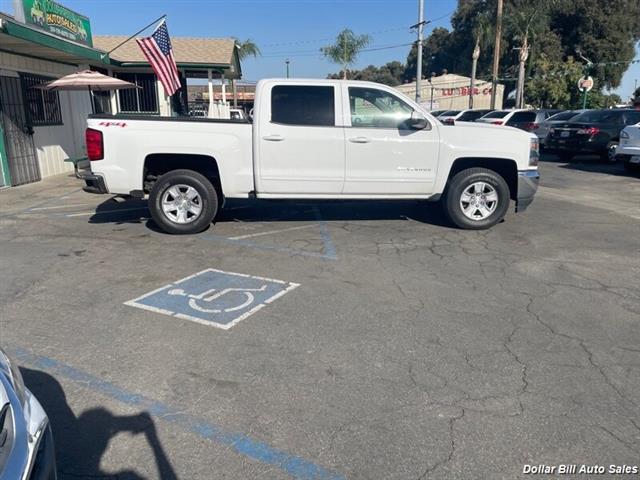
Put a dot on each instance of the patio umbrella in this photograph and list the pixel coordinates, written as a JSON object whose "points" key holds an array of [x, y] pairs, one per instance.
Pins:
{"points": [[87, 80]]}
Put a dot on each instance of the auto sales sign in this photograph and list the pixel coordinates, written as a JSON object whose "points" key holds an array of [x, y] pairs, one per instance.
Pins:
{"points": [[56, 19]]}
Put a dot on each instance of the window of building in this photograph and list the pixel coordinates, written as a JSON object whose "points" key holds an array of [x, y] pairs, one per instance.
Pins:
{"points": [[371, 107], [139, 100], [303, 105], [101, 99], [42, 106]]}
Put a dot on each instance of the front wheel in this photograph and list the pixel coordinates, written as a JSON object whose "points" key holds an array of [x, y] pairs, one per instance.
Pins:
{"points": [[476, 199], [183, 202]]}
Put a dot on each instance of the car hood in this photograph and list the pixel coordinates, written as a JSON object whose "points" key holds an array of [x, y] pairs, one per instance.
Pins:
{"points": [[470, 139]]}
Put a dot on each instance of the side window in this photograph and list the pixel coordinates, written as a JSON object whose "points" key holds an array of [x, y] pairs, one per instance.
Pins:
{"points": [[375, 108], [632, 118], [522, 117], [303, 105]]}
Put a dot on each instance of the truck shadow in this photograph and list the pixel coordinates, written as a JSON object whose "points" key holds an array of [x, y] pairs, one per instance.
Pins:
{"points": [[265, 211], [81, 441]]}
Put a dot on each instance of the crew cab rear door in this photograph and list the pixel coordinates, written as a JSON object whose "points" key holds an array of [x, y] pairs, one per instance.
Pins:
{"points": [[299, 140]]}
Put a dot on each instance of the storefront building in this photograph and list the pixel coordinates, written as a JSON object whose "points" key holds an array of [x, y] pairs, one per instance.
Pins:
{"points": [[451, 92], [40, 129]]}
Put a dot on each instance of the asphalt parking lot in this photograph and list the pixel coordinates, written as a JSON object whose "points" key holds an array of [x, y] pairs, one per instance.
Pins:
{"points": [[361, 340]]}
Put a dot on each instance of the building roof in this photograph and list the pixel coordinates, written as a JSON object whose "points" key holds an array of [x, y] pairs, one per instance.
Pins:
{"points": [[187, 51]]}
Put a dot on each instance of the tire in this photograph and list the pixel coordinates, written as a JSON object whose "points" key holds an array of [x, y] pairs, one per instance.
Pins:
{"points": [[177, 189], [609, 154], [565, 156], [631, 167], [468, 181]]}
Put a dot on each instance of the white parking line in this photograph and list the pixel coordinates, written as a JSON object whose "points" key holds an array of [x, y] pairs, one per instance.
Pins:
{"points": [[271, 232], [117, 210], [61, 206]]}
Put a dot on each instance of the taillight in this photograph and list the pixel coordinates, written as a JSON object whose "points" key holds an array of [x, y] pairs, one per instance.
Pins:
{"points": [[530, 126], [591, 131], [497, 122], [95, 146]]}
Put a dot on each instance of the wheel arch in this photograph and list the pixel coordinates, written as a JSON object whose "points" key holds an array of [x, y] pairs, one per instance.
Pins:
{"points": [[157, 164], [505, 167]]}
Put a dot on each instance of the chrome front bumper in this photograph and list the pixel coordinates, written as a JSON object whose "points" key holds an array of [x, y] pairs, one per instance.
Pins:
{"points": [[528, 181]]}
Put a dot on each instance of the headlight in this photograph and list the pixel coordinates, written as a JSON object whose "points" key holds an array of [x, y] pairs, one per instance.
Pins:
{"points": [[10, 370], [534, 152], [624, 134]]}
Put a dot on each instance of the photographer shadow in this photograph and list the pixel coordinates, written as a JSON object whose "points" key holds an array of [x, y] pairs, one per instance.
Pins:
{"points": [[80, 442]]}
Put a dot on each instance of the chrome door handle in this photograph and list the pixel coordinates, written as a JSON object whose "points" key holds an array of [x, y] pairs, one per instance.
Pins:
{"points": [[360, 140], [273, 138]]}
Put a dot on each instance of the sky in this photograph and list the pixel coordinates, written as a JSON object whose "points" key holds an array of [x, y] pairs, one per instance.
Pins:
{"points": [[294, 29]]}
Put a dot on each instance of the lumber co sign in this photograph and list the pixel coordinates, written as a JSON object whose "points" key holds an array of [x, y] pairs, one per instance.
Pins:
{"points": [[463, 91], [56, 19]]}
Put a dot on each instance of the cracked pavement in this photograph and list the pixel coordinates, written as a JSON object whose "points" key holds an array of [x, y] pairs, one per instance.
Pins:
{"points": [[420, 352]]}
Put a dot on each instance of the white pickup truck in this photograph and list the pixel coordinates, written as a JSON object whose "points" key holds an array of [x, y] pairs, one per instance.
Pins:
{"points": [[312, 139]]}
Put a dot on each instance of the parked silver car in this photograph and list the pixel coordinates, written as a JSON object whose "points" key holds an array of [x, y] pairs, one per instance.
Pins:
{"points": [[26, 442]]}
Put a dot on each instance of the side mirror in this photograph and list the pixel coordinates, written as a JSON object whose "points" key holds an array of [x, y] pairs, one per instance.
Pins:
{"points": [[417, 121]]}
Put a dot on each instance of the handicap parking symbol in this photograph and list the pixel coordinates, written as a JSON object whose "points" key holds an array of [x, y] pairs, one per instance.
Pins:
{"points": [[214, 297]]}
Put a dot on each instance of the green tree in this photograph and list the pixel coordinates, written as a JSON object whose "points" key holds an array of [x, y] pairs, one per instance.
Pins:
{"points": [[435, 55], [346, 49], [390, 74]]}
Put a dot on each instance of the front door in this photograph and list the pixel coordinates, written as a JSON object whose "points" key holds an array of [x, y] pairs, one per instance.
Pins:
{"points": [[384, 155], [301, 148], [18, 134]]}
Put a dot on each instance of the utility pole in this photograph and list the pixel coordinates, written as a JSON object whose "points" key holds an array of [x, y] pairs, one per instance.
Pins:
{"points": [[287, 62], [523, 54], [496, 54], [419, 60]]}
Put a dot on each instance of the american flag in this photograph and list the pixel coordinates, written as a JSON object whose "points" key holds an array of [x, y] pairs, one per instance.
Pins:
{"points": [[157, 50]]}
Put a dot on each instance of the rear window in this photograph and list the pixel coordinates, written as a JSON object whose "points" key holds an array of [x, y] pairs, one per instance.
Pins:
{"points": [[523, 117], [450, 113], [599, 116], [303, 105], [562, 116], [497, 114]]}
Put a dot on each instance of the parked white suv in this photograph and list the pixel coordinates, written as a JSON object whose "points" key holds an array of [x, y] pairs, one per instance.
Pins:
{"points": [[628, 149], [312, 139]]}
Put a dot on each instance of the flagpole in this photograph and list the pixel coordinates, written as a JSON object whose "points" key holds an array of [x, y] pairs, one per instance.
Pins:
{"points": [[102, 56]]}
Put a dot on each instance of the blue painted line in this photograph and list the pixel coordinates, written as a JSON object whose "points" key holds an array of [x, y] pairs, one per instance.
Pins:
{"points": [[329, 247], [295, 466]]}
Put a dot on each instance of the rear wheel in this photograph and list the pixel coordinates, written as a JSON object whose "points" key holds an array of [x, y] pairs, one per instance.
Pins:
{"points": [[565, 156], [609, 155], [183, 202], [476, 199]]}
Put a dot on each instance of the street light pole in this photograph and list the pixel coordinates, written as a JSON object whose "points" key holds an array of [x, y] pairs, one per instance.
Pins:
{"points": [[420, 38], [287, 62], [496, 54]]}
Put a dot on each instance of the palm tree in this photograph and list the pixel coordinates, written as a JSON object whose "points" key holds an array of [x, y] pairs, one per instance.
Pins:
{"points": [[526, 22], [245, 49], [482, 31], [346, 49]]}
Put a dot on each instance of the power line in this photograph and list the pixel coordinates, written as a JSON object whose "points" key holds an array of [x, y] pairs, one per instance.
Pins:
{"points": [[311, 53]]}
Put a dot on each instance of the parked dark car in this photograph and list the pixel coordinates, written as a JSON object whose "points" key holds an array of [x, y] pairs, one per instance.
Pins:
{"points": [[529, 120], [562, 117], [473, 115], [594, 132]]}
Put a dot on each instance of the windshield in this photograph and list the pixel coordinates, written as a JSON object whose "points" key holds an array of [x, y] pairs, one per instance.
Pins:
{"points": [[562, 116], [497, 114]]}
